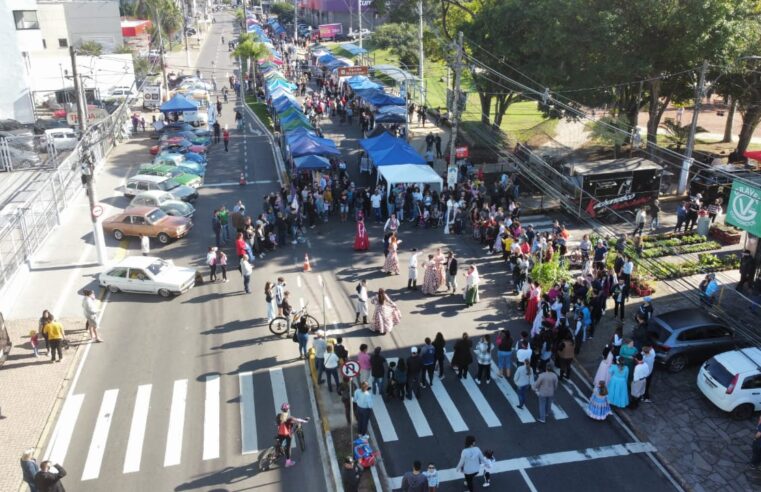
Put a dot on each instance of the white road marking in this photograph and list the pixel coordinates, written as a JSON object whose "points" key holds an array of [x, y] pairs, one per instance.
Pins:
{"points": [[100, 435], [298, 280], [448, 407], [319, 279], [385, 425], [301, 302], [512, 397], [558, 412], [418, 417], [176, 423], [211, 418], [64, 429], [478, 398], [247, 413], [137, 429], [559, 458], [328, 304], [279, 393], [528, 481]]}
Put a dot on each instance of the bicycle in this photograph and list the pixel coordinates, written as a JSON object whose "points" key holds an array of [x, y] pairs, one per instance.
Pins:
{"points": [[279, 325], [272, 454]]}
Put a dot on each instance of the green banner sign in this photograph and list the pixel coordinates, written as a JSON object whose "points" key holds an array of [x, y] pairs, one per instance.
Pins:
{"points": [[744, 208]]}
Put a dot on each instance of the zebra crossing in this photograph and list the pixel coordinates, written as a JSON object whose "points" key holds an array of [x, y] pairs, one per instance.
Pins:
{"points": [[463, 404], [149, 414]]}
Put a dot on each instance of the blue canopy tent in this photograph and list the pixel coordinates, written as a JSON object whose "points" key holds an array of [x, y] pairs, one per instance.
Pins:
{"points": [[400, 153], [312, 146], [379, 99], [293, 116], [309, 162], [178, 104], [336, 64], [391, 114], [298, 133], [326, 58], [353, 49], [383, 141]]}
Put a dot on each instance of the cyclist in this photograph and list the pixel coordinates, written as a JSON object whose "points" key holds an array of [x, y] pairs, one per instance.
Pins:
{"points": [[285, 423]]}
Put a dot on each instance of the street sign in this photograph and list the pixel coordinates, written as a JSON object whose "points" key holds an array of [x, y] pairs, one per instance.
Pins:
{"points": [[350, 369], [461, 152], [744, 208], [351, 71], [97, 211]]}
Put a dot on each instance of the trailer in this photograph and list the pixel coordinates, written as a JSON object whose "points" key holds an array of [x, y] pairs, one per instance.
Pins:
{"points": [[602, 187]]}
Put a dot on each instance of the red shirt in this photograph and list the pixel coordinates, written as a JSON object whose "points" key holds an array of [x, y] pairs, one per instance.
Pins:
{"points": [[240, 247], [226, 136]]}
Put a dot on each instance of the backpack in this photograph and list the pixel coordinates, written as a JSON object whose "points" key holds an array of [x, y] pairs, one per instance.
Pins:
{"points": [[341, 352]]}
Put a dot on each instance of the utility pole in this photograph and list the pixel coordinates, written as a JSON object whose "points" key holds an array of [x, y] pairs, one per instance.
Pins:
{"points": [[185, 33], [421, 57], [88, 179], [359, 21], [161, 54], [78, 93], [455, 101], [295, 20], [687, 162]]}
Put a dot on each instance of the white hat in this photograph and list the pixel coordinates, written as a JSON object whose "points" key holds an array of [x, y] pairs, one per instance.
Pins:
{"points": [[414, 350]]}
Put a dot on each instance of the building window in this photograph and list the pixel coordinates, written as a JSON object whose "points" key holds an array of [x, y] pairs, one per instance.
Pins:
{"points": [[63, 43], [26, 19]]}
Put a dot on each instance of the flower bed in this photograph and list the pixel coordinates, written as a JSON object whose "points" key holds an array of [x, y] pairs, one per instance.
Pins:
{"points": [[706, 263], [670, 244], [658, 251]]}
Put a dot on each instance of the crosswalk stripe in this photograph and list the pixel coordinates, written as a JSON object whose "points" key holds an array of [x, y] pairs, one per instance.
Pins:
{"points": [[173, 452], [558, 412], [59, 441], [279, 392], [137, 429], [447, 405], [418, 417], [100, 435], [385, 425], [512, 397], [211, 418], [247, 413], [478, 398]]}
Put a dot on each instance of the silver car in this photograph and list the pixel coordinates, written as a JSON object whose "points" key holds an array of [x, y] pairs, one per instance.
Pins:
{"points": [[164, 200]]}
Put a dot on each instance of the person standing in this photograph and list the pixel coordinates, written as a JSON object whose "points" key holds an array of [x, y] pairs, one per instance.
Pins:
{"points": [[378, 369], [681, 216], [222, 264], [145, 245], [415, 480], [655, 211], [544, 386], [472, 280], [302, 337], [320, 347], [365, 367], [211, 260], [639, 221], [524, 378], [755, 461], [279, 295], [47, 481], [483, 357], [598, 407], [331, 368], [565, 356], [618, 293], [91, 312], [386, 314], [747, 270], [430, 277], [361, 239], [350, 475], [226, 138], [412, 270], [55, 334], [648, 357], [217, 131], [414, 369], [462, 357], [471, 459], [361, 304], [451, 272], [29, 469], [364, 401], [216, 226], [245, 270], [504, 353], [391, 266], [618, 391], [439, 346], [428, 358], [269, 298]]}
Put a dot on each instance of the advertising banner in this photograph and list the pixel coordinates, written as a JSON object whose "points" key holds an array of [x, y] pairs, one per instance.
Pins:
{"points": [[329, 31], [351, 71], [744, 208]]}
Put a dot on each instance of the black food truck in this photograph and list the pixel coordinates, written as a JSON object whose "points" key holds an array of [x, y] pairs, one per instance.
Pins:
{"points": [[614, 184]]}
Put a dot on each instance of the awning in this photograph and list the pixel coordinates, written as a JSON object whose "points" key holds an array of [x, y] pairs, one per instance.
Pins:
{"points": [[400, 153], [353, 49], [410, 173], [360, 82], [380, 98], [395, 73], [311, 162], [312, 146], [383, 141], [391, 114], [178, 104]]}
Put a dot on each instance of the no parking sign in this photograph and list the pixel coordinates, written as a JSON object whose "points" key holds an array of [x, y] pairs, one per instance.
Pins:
{"points": [[350, 369]]}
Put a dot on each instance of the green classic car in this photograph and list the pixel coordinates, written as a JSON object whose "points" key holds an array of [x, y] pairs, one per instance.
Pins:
{"points": [[179, 175]]}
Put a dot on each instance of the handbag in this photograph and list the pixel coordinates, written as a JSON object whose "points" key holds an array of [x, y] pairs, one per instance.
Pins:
{"points": [[65, 343], [295, 337]]}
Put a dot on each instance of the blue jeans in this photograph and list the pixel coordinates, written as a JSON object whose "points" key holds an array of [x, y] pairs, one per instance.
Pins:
{"points": [[320, 363], [522, 395], [545, 406], [332, 374], [246, 282], [378, 385], [377, 212], [303, 339], [390, 208]]}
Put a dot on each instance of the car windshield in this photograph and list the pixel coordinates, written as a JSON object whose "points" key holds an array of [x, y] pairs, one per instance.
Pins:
{"points": [[718, 372], [169, 184], [156, 216], [165, 198], [158, 266], [658, 333]]}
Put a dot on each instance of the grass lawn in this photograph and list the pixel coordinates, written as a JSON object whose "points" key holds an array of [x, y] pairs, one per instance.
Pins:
{"points": [[261, 111]]}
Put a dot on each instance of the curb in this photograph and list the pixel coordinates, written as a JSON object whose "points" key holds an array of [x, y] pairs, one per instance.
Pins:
{"points": [[276, 153], [317, 406]]}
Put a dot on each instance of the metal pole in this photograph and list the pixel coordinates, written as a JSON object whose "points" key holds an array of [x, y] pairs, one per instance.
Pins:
{"points": [[295, 20], [421, 56], [161, 54], [687, 162], [185, 34], [81, 113], [456, 100], [359, 21], [88, 176]]}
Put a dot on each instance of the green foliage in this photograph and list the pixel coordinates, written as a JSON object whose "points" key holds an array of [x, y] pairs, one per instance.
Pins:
{"points": [[284, 12], [90, 48], [261, 111], [611, 130], [550, 272], [679, 134], [123, 50], [401, 39]]}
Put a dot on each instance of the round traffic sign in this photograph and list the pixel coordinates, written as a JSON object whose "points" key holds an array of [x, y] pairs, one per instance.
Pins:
{"points": [[97, 211], [350, 369]]}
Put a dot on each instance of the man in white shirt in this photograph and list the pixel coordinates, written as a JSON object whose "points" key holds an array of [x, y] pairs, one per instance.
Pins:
{"points": [[320, 346], [361, 302], [375, 201], [626, 273], [412, 271], [648, 357], [639, 380], [279, 295], [523, 353]]}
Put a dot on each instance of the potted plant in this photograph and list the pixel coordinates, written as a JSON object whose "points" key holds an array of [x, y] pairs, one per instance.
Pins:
{"points": [[725, 235]]}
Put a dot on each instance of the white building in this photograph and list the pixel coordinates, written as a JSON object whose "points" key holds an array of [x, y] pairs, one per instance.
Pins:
{"points": [[19, 36], [67, 23]]}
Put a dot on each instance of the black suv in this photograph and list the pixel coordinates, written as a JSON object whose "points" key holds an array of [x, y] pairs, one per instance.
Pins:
{"points": [[688, 335]]}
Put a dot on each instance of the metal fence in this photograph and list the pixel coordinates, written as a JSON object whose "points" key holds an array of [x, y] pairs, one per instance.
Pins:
{"points": [[26, 222]]}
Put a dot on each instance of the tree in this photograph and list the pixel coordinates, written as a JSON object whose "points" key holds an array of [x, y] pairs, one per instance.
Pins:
{"points": [[90, 48], [284, 12], [611, 130], [679, 133], [250, 51], [401, 39], [163, 14]]}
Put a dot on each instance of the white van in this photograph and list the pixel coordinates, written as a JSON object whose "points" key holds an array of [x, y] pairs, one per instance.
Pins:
{"points": [[61, 138], [732, 381]]}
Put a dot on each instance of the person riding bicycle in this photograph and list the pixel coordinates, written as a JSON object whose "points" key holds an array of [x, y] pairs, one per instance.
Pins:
{"points": [[285, 423]]}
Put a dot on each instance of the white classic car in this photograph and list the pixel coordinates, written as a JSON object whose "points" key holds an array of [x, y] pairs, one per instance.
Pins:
{"points": [[148, 275]]}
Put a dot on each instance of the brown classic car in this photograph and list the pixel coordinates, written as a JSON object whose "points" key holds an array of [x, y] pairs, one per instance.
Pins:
{"points": [[147, 221]]}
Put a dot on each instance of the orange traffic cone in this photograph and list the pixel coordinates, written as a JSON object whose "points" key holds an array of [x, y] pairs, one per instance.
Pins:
{"points": [[242, 181], [307, 266]]}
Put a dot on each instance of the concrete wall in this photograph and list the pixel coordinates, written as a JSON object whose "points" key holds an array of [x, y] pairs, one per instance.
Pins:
{"points": [[53, 25], [15, 101], [96, 20]]}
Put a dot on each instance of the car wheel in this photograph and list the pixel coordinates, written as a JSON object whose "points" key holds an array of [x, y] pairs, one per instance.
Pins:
{"points": [[163, 238], [113, 289], [118, 235], [165, 293], [677, 363], [742, 412]]}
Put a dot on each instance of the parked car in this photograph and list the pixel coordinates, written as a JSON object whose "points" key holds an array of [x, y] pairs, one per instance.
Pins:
{"points": [[355, 34], [168, 203], [688, 335], [148, 275], [198, 168], [147, 221], [174, 172], [60, 139], [142, 182], [732, 381]]}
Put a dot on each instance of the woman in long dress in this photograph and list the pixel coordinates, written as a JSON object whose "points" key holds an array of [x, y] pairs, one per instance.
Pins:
{"points": [[430, 277], [533, 302], [386, 314], [361, 239], [598, 407], [618, 390], [392, 260], [603, 371], [441, 262], [471, 286]]}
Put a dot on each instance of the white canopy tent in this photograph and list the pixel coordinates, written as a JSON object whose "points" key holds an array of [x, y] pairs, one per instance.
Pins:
{"points": [[409, 173]]}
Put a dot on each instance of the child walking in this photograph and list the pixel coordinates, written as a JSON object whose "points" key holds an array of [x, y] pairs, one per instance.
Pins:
{"points": [[432, 474], [488, 463]]}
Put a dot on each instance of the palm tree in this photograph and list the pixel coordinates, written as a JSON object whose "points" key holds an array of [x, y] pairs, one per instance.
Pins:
{"points": [[250, 51], [679, 134]]}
